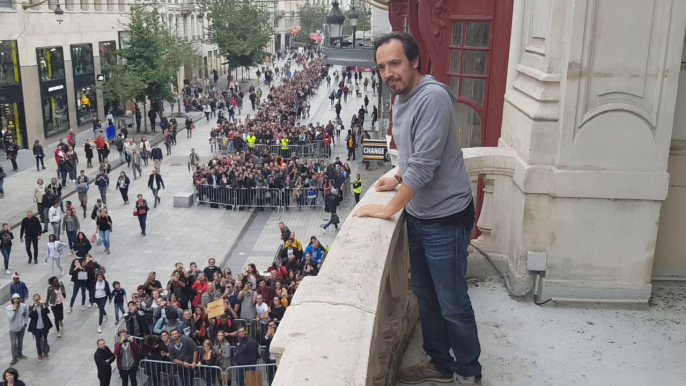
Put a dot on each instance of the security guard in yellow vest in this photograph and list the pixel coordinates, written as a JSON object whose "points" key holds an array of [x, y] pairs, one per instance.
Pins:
{"points": [[357, 188], [284, 147], [251, 140]]}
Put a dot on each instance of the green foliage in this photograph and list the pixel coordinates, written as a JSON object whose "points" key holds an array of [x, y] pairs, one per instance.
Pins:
{"points": [[240, 30], [312, 18], [149, 63], [363, 22]]}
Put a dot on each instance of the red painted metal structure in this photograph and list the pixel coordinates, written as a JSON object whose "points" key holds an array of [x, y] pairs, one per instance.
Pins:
{"points": [[464, 44]]}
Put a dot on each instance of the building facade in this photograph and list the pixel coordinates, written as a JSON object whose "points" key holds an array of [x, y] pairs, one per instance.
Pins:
{"points": [[185, 20], [584, 95], [49, 71]]}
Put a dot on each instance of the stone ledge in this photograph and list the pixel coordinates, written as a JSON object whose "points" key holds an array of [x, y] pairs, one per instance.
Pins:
{"points": [[323, 344]]}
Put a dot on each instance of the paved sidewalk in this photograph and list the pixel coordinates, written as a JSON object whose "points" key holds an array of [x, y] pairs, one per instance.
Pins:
{"points": [[173, 235]]}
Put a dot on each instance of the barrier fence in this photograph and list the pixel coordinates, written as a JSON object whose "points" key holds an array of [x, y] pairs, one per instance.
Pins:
{"points": [[280, 199], [163, 373], [313, 149]]}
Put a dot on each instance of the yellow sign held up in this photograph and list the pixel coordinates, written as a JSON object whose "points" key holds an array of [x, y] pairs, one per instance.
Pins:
{"points": [[215, 309]]}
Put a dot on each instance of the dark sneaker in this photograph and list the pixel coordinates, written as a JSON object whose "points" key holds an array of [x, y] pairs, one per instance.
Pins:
{"points": [[422, 372], [14, 361]]}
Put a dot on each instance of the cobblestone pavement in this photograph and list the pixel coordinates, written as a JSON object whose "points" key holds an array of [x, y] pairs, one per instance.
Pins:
{"points": [[173, 235]]}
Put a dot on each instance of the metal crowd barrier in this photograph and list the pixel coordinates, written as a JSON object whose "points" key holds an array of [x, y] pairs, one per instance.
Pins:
{"points": [[314, 149], [279, 199], [164, 373]]}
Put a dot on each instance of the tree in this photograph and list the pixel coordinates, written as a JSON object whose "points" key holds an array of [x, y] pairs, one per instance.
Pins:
{"points": [[149, 63], [312, 18], [241, 30], [363, 21]]}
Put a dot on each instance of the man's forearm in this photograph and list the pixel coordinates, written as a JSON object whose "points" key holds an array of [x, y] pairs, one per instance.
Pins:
{"points": [[400, 199]]}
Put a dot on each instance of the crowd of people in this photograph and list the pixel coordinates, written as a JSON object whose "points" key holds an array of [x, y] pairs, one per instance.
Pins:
{"points": [[170, 325]]}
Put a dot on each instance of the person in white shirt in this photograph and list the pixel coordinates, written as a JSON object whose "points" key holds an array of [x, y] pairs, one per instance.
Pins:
{"points": [[55, 216], [54, 252], [262, 315]]}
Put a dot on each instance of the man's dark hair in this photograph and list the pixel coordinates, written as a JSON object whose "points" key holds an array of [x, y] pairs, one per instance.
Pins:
{"points": [[410, 46]]}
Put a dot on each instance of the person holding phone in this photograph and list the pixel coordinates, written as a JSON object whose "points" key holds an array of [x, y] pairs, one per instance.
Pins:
{"points": [[39, 326], [127, 352]]}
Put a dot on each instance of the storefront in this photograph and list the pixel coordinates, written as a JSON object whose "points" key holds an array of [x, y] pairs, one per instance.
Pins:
{"points": [[11, 93], [84, 83], [53, 89]]}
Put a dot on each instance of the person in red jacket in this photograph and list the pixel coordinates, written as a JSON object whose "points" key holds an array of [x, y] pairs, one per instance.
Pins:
{"points": [[127, 352], [100, 146], [200, 287]]}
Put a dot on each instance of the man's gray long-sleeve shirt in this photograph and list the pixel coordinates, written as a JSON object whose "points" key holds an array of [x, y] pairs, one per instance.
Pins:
{"points": [[18, 318], [429, 154]]}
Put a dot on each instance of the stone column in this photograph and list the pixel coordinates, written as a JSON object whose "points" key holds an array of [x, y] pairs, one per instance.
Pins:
{"points": [[588, 112]]}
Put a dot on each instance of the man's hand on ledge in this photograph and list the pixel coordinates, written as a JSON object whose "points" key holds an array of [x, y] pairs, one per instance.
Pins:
{"points": [[375, 211], [385, 184]]}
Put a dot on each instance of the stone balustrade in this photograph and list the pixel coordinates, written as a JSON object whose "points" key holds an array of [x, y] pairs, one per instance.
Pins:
{"points": [[349, 324]]}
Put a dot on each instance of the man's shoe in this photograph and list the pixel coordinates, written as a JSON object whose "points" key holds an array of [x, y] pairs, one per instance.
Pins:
{"points": [[14, 361], [99, 329], [83, 308], [59, 334], [40, 358], [422, 372], [22, 356], [46, 356]]}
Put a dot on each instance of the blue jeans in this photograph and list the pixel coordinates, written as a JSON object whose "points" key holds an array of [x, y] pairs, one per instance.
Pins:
{"points": [[39, 335], [105, 236], [78, 285], [71, 236], [6, 256], [438, 263], [118, 308]]}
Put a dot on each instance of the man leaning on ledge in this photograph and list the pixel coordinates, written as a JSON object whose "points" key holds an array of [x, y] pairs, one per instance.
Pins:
{"points": [[437, 196]]}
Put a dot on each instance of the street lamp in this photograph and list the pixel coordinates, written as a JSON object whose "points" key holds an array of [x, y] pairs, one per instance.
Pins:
{"points": [[353, 15], [59, 12], [335, 20]]}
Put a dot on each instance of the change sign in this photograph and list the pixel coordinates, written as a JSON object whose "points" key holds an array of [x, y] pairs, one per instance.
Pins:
{"points": [[375, 150]]}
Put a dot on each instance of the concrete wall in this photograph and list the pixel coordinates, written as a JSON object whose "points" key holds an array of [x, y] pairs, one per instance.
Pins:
{"points": [[670, 254], [589, 111]]}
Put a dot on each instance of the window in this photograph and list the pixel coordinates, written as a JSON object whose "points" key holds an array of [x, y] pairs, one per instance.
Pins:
{"points": [[468, 72], [110, 5], [469, 47], [468, 125], [50, 63], [9, 63], [97, 5], [84, 5], [86, 105], [107, 55], [55, 114], [82, 59], [5, 3]]}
